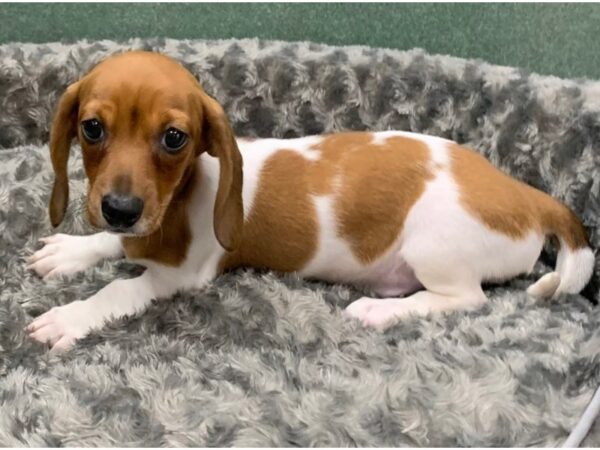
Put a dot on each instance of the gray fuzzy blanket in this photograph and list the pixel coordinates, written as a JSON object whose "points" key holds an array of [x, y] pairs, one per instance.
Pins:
{"points": [[259, 359]]}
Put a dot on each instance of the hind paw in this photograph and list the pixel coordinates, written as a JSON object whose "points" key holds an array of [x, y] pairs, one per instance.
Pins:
{"points": [[545, 287]]}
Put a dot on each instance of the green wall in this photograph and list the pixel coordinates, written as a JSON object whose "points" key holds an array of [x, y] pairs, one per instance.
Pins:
{"points": [[558, 39]]}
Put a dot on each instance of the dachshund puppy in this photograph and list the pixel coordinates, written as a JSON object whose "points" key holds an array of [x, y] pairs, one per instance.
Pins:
{"points": [[418, 219]]}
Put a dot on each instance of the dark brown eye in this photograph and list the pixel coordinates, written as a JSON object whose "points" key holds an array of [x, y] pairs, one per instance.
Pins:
{"points": [[92, 131], [173, 140]]}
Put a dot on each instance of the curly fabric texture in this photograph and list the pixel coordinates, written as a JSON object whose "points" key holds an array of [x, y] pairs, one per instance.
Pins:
{"points": [[261, 359]]}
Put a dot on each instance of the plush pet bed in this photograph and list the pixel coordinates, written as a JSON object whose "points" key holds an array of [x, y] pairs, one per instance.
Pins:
{"points": [[259, 359]]}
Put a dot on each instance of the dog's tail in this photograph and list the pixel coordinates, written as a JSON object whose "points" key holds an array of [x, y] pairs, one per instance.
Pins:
{"points": [[575, 262]]}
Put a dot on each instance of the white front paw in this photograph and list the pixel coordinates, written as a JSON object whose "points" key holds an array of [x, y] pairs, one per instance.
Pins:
{"points": [[61, 326], [63, 255]]}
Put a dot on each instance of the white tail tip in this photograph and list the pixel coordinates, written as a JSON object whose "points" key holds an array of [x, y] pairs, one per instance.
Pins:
{"points": [[575, 268]]}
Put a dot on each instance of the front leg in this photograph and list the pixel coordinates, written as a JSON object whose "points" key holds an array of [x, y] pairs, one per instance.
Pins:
{"points": [[63, 325], [64, 254]]}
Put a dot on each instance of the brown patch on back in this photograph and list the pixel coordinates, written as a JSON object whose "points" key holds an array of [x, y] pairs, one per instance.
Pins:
{"points": [[375, 185], [281, 230], [381, 184], [334, 149], [509, 206]]}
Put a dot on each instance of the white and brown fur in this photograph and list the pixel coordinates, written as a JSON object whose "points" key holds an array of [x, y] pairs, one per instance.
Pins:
{"points": [[419, 219]]}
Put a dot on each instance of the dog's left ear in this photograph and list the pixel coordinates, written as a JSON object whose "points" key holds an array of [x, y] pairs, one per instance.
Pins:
{"points": [[64, 129], [218, 140]]}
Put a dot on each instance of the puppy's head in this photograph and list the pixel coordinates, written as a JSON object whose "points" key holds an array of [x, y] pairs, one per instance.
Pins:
{"points": [[142, 120]]}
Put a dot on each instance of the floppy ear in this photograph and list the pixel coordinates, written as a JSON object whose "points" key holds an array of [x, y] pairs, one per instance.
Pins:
{"points": [[218, 140], [64, 129]]}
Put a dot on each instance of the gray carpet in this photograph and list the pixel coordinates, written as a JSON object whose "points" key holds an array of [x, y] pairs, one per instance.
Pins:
{"points": [[258, 359]]}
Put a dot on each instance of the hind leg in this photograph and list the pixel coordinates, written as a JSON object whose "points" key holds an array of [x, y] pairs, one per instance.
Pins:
{"points": [[451, 252], [545, 287], [381, 313], [450, 284]]}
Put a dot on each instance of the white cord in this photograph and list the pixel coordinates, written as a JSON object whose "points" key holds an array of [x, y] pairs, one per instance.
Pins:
{"points": [[585, 423]]}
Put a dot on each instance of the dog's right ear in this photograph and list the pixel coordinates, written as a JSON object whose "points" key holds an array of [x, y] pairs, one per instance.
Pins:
{"points": [[64, 129]]}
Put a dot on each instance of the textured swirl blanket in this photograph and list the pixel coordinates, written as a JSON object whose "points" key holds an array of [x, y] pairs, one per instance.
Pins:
{"points": [[260, 359]]}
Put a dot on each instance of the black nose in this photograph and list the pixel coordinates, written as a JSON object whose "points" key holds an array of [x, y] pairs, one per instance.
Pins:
{"points": [[121, 211]]}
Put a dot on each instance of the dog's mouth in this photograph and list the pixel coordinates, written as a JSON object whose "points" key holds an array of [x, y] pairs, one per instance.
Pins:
{"points": [[136, 230], [132, 231], [121, 230], [144, 227]]}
